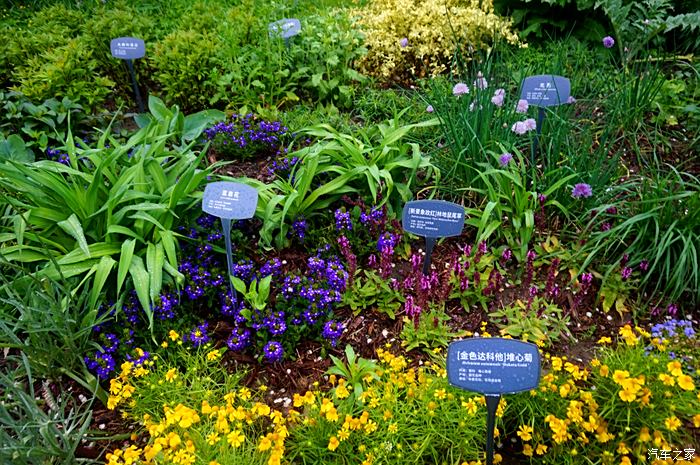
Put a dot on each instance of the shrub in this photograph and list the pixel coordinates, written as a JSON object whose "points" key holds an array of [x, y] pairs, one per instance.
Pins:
{"points": [[187, 67], [65, 71], [431, 35]]}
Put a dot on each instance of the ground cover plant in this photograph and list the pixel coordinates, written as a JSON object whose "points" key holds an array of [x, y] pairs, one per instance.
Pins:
{"points": [[127, 340]]}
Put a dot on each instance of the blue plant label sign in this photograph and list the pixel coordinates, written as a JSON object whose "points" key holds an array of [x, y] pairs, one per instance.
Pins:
{"points": [[127, 48], [546, 90], [230, 200], [285, 28], [493, 365], [433, 218]]}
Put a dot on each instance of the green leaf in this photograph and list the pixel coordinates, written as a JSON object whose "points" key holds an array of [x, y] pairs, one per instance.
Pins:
{"points": [[155, 260], [73, 227], [139, 277], [125, 258], [102, 271]]}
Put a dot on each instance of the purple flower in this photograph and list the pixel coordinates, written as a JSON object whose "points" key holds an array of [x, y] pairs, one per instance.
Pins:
{"points": [[429, 109], [507, 254], [626, 273], [199, 335], [530, 124], [581, 190], [608, 42], [522, 106], [521, 127], [460, 89], [644, 265], [273, 351], [505, 159], [299, 227], [571, 99], [332, 330], [239, 339], [498, 97], [342, 220], [403, 42], [481, 82]]}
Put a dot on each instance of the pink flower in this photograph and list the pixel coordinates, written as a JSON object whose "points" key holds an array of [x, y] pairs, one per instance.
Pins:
{"points": [[522, 106], [460, 89], [530, 124], [571, 99], [498, 97]]}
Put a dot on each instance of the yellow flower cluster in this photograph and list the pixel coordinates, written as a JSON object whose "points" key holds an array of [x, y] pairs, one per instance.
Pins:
{"points": [[120, 388], [418, 37]]}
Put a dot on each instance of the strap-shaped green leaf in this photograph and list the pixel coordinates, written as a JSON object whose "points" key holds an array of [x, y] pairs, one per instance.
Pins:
{"points": [[73, 227], [155, 259], [139, 277], [125, 258], [102, 271]]}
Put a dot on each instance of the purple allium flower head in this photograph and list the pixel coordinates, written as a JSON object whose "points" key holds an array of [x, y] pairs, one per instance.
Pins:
{"points": [[498, 97], [505, 159], [608, 42], [403, 42], [460, 89], [481, 82], [273, 351], [644, 265], [429, 109], [581, 190], [522, 106]]}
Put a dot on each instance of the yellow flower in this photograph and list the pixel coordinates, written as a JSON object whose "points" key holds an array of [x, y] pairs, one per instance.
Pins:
{"points": [[541, 449], [675, 368], [557, 363], [393, 428], [625, 461], [627, 395], [525, 432], [173, 335], [244, 393], [343, 434], [672, 423], [696, 420], [644, 435], [235, 438], [265, 444], [470, 405], [333, 443], [171, 375], [341, 392], [605, 340], [213, 438], [213, 355], [620, 375], [527, 450], [685, 382], [604, 371], [668, 380], [440, 394]]}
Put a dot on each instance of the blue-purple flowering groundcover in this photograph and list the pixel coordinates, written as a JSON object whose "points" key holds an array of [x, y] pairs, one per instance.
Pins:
{"points": [[244, 136]]}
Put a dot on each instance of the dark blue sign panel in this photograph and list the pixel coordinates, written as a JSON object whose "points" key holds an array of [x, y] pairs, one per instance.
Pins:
{"points": [[285, 28], [127, 48], [546, 90], [230, 200], [433, 218], [493, 365]]}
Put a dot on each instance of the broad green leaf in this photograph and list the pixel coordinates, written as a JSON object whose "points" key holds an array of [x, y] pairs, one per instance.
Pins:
{"points": [[155, 259]]}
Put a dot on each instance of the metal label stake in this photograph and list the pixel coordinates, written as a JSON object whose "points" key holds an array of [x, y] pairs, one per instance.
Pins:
{"points": [[130, 49]]}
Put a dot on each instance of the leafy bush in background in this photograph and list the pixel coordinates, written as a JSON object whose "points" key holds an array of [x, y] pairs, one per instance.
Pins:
{"points": [[432, 30]]}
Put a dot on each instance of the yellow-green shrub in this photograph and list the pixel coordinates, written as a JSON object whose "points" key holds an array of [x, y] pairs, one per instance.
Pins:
{"points": [[434, 29]]}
